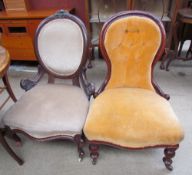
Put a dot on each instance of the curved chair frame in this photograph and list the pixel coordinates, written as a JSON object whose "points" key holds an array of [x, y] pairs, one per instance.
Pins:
{"points": [[94, 145], [156, 59], [27, 84], [7, 86], [64, 15], [7, 147]]}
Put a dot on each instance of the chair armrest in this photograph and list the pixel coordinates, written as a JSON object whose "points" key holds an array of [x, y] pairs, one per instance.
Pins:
{"points": [[88, 87], [27, 84], [160, 91]]}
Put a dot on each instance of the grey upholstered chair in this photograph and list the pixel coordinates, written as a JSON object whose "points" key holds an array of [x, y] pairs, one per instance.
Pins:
{"points": [[55, 111]]}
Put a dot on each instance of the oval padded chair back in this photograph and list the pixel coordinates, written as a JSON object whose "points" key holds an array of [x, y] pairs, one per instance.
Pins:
{"points": [[61, 44], [130, 42]]}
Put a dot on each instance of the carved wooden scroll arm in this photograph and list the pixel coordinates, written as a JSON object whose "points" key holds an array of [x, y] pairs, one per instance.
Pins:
{"points": [[27, 84]]}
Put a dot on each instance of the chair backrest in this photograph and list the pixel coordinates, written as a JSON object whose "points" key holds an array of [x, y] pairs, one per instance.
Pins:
{"points": [[131, 43], [61, 45]]}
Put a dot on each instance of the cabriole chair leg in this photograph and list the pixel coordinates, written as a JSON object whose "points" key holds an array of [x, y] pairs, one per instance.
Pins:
{"points": [[9, 150], [80, 144], [94, 153], [169, 154]]}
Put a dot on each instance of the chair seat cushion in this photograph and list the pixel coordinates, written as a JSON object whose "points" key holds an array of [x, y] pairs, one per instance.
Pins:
{"points": [[134, 118], [49, 110]]}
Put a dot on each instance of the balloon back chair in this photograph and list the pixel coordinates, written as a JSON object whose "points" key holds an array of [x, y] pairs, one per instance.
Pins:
{"points": [[55, 111], [130, 110]]}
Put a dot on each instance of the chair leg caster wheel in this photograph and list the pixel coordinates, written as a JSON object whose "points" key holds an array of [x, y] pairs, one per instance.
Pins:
{"points": [[94, 161], [81, 155], [94, 158], [80, 159], [169, 154], [94, 153]]}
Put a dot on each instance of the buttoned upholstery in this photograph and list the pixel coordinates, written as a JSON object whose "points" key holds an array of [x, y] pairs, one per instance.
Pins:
{"points": [[131, 53], [60, 46], [49, 110], [129, 112]]}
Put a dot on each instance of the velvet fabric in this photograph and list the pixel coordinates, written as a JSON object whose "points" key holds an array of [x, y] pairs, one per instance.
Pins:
{"points": [[49, 110], [131, 44], [132, 117], [60, 46], [128, 112]]}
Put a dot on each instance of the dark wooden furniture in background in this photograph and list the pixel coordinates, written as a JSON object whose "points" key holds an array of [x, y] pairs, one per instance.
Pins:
{"points": [[18, 30], [18, 25], [182, 32], [101, 10], [4, 65], [93, 13], [16, 5]]}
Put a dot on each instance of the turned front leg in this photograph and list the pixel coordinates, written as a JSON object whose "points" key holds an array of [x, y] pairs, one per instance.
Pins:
{"points": [[169, 154], [94, 152]]}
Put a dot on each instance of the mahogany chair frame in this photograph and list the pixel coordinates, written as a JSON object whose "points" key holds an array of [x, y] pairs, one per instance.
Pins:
{"points": [[169, 151], [6, 146], [78, 78]]}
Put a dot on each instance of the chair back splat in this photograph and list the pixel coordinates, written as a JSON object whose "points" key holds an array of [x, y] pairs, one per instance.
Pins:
{"points": [[132, 43], [61, 45]]}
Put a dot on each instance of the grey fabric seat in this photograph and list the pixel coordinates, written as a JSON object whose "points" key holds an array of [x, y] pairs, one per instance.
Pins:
{"points": [[55, 111], [49, 110]]}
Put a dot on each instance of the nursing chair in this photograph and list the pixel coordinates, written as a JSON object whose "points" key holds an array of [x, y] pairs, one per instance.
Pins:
{"points": [[130, 110], [55, 110]]}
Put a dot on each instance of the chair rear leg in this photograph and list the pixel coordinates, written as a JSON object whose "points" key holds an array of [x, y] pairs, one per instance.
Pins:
{"points": [[9, 150], [11, 134], [80, 141], [8, 87], [169, 154], [94, 153]]}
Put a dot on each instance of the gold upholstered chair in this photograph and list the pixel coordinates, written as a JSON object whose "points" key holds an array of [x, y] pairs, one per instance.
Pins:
{"points": [[55, 110], [130, 110]]}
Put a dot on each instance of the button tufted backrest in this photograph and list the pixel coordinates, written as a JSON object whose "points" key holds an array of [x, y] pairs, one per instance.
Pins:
{"points": [[61, 44], [130, 42]]}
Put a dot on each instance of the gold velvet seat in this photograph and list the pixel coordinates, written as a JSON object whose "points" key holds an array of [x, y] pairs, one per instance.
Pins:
{"points": [[130, 110], [132, 117]]}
